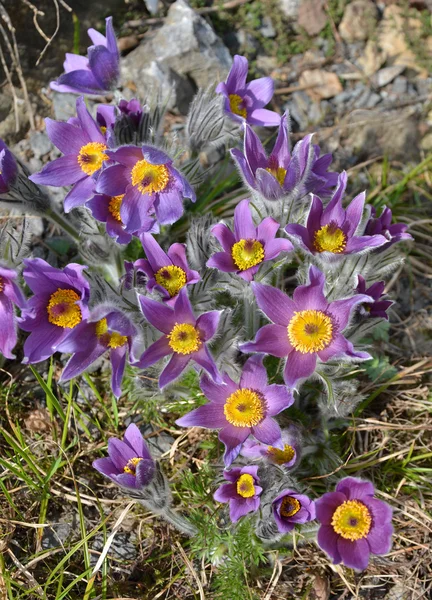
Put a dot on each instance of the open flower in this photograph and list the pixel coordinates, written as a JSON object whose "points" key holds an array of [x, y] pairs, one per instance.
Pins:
{"points": [[148, 182], [245, 101], [285, 456], [304, 328], [291, 508], [59, 304], [8, 168], [354, 524], [248, 246], [382, 225], [241, 409], [242, 492], [283, 173], [98, 73], [333, 231], [185, 337], [106, 330], [10, 295], [84, 148], [378, 307]]}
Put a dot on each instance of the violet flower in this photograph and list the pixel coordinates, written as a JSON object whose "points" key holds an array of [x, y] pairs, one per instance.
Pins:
{"points": [[286, 456], [333, 231], [8, 168], [84, 148], [242, 492], [248, 246], [382, 225], [97, 73], [241, 409], [354, 524], [304, 328], [133, 110], [185, 337], [291, 508], [59, 304], [10, 295], [245, 101], [378, 307], [149, 182], [283, 173]]}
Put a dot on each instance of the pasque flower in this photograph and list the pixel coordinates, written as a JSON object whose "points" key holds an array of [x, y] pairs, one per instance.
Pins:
{"points": [[382, 225], [305, 327], [96, 73], [8, 168], [242, 409], [333, 231], [245, 101], [248, 246], [185, 337], [242, 492], [284, 173], [10, 295], [291, 508], [285, 456], [59, 304], [378, 307], [354, 524]]}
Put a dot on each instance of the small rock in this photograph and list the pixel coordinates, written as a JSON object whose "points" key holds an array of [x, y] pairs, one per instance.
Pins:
{"points": [[290, 8], [40, 144], [358, 21], [400, 86], [372, 59], [325, 84], [386, 75], [311, 16], [267, 30], [299, 106]]}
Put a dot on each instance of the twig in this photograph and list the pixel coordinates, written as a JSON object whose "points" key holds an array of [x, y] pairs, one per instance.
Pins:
{"points": [[192, 571], [49, 40], [11, 85]]}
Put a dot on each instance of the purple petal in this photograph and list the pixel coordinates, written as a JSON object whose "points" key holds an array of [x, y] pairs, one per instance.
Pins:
{"points": [[82, 82], [68, 138], [222, 261], [243, 224], [205, 360], [362, 243], [120, 453], [125, 480], [274, 303], [261, 90], [237, 76], [225, 492], [327, 504], [224, 235], [183, 312], [105, 466], [62, 171], [278, 398], [134, 209], [354, 554], [240, 508], [281, 150], [177, 254], [207, 324], [104, 66], [133, 437], [275, 247], [79, 194], [154, 353], [80, 361], [43, 342], [338, 347], [254, 374], [112, 181], [355, 488], [270, 339], [174, 369], [267, 230], [215, 392], [144, 472], [334, 211], [210, 416], [118, 364], [268, 431], [88, 124], [243, 166], [328, 541], [301, 235], [233, 436], [268, 185], [298, 366], [354, 212], [168, 207], [156, 256], [311, 296], [341, 310], [157, 314], [380, 539], [254, 150], [264, 118], [127, 156], [315, 214], [8, 335]]}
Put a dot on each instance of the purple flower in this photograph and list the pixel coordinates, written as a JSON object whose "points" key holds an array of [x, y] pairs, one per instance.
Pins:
{"points": [[241, 409], [305, 327], [382, 225], [59, 304], [283, 173], [378, 307], [185, 337], [96, 74], [242, 492], [106, 330], [167, 272], [286, 456], [133, 110], [333, 230], [248, 246], [291, 508], [10, 294], [149, 182], [354, 524], [130, 464], [8, 168], [245, 101], [84, 148]]}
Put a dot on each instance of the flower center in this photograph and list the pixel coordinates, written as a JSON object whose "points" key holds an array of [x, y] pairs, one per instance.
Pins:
{"points": [[330, 239], [237, 106], [247, 254], [131, 466], [310, 331], [352, 520], [245, 486], [63, 309], [148, 178], [110, 339], [289, 506], [244, 408], [184, 338], [114, 207], [280, 457], [172, 278], [91, 157], [278, 173]]}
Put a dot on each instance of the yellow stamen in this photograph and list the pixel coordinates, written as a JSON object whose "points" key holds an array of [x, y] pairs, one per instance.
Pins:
{"points": [[149, 178], [63, 309], [114, 207], [281, 457], [172, 278], [184, 338], [247, 254], [103, 129], [236, 105], [289, 506], [244, 408], [352, 520], [91, 157], [330, 239], [110, 339], [117, 340], [131, 466], [279, 174], [310, 331], [245, 486]]}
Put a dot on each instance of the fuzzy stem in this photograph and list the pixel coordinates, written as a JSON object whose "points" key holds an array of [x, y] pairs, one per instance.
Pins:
{"points": [[56, 218], [168, 514]]}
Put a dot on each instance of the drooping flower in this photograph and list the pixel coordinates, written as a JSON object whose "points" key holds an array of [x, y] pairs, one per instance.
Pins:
{"points": [[291, 508], [248, 246], [378, 307], [106, 330], [286, 456], [284, 173], [84, 148], [130, 464], [145, 176], [354, 524], [242, 492], [59, 304], [333, 231], [382, 225], [245, 101], [8, 168], [305, 327], [185, 337], [242, 409], [96, 73], [10, 295]]}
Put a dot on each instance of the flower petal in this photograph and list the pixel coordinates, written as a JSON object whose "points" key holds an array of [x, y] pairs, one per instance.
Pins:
{"points": [[355, 488], [62, 171], [264, 118], [157, 314], [311, 296], [210, 416], [270, 339], [156, 256], [174, 369], [274, 303], [134, 438], [261, 90], [236, 79], [207, 324], [154, 353], [243, 224], [354, 554], [254, 374], [205, 360], [278, 398], [224, 235], [268, 431], [298, 366], [328, 541], [79, 194]]}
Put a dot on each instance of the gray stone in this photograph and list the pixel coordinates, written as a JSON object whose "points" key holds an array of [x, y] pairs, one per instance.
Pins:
{"points": [[267, 30], [385, 76], [290, 8], [400, 86], [123, 547], [40, 144]]}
